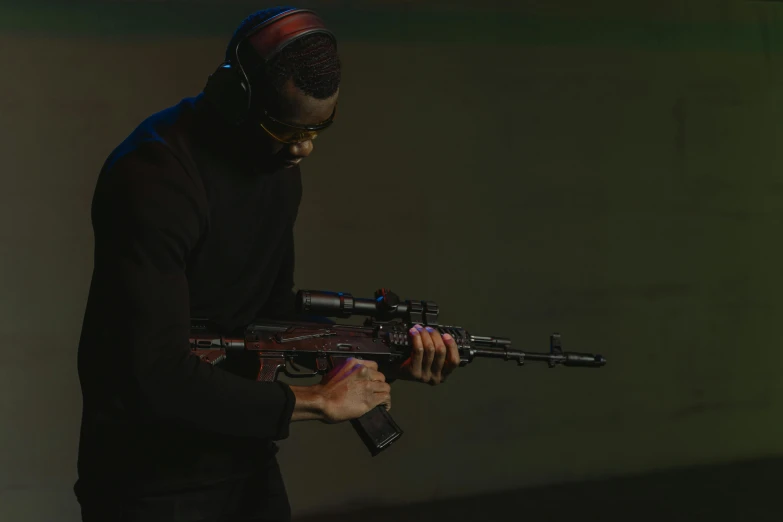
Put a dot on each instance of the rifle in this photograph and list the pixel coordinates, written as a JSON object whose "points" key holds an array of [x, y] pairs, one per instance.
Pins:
{"points": [[284, 345]]}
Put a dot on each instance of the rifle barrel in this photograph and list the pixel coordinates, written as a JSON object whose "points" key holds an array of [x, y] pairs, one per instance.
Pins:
{"points": [[565, 358]]}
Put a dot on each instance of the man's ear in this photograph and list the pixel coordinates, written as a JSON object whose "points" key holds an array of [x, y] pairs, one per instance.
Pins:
{"points": [[267, 99]]}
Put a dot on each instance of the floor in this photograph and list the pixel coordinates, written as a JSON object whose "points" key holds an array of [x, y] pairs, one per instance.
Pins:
{"points": [[746, 492]]}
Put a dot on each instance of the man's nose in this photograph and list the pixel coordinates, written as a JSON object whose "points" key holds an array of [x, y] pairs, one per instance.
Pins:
{"points": [[302, 149]]}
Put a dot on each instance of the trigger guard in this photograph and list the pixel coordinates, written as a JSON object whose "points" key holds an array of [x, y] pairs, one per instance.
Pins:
{"points": [[298, 375]]}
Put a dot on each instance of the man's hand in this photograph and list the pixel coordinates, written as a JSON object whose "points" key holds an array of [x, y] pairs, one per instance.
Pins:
{"points": [[433, 357], [353, 389]]}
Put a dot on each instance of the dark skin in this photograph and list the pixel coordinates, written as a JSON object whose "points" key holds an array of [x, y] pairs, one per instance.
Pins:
{"points": [[359, 386], [297, 108]]}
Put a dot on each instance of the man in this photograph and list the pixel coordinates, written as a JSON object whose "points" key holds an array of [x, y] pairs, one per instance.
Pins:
{"points": [[193, 216]]}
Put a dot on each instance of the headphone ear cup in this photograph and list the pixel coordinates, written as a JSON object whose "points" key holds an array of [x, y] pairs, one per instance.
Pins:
{"points": [[227, 92]]}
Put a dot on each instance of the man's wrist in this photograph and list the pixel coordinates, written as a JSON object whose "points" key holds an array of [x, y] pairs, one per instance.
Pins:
{"points": [[310, 403]]}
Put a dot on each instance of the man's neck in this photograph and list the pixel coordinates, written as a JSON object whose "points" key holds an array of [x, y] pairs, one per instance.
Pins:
{"points": [[237, 143]]}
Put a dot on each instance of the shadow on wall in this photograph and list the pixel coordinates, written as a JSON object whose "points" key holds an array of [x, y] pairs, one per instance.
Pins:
{"points": [[747, 492]]}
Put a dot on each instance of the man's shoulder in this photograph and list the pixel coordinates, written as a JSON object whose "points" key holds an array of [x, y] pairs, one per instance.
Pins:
{"points": [[161, 135], [149, 176], [156, 152]]}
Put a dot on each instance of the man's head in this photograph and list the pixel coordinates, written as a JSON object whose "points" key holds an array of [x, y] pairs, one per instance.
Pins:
{"points": [[294, 93]]}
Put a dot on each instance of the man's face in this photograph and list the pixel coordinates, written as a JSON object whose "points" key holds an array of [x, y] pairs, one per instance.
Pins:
{"points": [[297, 108]]}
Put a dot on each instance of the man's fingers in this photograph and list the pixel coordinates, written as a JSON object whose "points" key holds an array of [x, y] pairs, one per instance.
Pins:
{"points": [[429, 355], [417, 353], [377, 376], [370, 364], [342, 370], [349, 365], [440, 354], [364, 368], [380, 387], [367, 373], [452, 354], [385, 399], [381, 394]]}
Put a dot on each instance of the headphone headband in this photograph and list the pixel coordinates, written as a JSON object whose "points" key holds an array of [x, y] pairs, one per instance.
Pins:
{"points": [[229, 87], [270, 37]]}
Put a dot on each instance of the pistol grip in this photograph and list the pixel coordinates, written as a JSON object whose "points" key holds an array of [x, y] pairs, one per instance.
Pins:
{"points": [[269, 368], [377, 429]]}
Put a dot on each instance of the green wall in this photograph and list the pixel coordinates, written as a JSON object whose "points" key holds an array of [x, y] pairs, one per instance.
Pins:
{"points": [[609, 172], [749, 26]]}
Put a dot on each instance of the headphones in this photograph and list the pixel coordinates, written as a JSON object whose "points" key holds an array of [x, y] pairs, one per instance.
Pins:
{"points": [[228, 88]]}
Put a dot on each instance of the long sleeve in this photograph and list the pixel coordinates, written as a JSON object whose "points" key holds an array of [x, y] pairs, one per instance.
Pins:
{"points": [[148, 215], [282, 298]]}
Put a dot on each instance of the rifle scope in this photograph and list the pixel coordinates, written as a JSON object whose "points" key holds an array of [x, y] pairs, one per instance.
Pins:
{"points": [[385, 306]]}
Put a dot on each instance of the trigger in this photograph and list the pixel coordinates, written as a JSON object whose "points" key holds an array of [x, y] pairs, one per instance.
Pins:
{"points": [[321, 364]]}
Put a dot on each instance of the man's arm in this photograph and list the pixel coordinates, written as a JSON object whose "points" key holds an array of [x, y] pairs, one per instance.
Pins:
{"points": [[147, 216], [281, 303]]}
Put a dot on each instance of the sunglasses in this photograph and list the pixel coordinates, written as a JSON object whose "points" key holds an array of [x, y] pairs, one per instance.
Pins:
{"points": [[290, 134]]}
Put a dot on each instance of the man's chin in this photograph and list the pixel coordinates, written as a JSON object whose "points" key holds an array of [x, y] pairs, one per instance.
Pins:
{"points": [[274, 164], [289, 164]]}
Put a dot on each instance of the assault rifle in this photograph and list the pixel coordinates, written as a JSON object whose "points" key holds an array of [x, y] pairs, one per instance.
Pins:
{"points": [[285, 345]]}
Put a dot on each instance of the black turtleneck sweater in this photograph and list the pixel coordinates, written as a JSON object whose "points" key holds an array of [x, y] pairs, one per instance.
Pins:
{"points": [[187, 223]]}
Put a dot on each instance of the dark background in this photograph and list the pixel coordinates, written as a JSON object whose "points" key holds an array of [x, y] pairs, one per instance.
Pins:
{"points": [[608, 170]]}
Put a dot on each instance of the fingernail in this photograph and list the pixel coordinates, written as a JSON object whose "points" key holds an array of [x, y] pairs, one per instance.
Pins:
{"points": [[430, 329], [414, 331], [419, 327], [447, 337]]}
